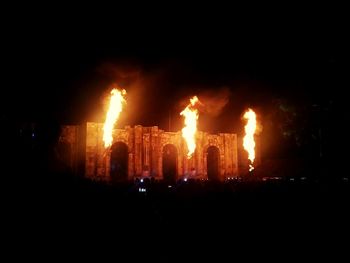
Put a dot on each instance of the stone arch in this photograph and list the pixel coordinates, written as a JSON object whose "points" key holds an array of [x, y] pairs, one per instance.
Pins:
{"points": [[119, 161], [169, 162], [212, 154], [64, 154]]}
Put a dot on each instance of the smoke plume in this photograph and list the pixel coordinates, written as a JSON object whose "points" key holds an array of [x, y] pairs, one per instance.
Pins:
{"points": [[214, 101]]}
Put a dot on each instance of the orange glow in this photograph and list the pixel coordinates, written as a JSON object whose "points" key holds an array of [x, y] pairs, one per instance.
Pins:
{"points": [[248, 140], [190, 129], [115, 108]]}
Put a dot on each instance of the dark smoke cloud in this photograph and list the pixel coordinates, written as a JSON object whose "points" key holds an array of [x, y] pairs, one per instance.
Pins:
{"points": [[122, 73], [143, 92], [214, 101], [156, 97]]}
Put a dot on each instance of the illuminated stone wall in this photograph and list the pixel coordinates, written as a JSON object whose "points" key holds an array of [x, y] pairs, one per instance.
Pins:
{"points": [[145, 151]]}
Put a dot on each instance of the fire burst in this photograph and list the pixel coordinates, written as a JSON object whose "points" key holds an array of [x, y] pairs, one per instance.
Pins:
{"points": [[115, 108], [190, 129], [248, 140]]}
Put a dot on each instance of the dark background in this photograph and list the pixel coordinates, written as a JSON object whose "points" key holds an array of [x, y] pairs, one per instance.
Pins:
{"points": [[289, 63]]}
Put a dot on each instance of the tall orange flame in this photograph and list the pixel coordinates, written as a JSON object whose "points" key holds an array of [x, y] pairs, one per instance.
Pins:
{"points": [[115, 108], [248, 140], [190, 129]]}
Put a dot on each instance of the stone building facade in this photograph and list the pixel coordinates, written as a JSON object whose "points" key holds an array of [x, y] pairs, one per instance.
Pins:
{"points": [[149, 152]]}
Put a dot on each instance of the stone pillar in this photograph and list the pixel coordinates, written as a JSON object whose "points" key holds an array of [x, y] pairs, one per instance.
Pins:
{"points": [[146, 150], [234, 155], [221, 156], [91, 149], [101, 151], [205, 166], [228, 154], [180, 157], [200, 170], [155, 149], [130, 166], [184, 159], [138, 150], [131, 149], [191, 163], [160, 155], [108, 165]]}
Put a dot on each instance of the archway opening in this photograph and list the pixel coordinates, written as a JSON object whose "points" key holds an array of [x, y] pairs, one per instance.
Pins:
{"points": [[119, 162], [213, 157], [169, 163]]}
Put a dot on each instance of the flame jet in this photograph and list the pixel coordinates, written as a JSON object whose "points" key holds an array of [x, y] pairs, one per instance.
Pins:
{"points": [[116, 104], [189, 131], [248, 140]]}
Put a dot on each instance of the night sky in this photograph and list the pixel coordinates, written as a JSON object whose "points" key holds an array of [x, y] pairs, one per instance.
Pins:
{"points": [[59, 69], [289, 63]]}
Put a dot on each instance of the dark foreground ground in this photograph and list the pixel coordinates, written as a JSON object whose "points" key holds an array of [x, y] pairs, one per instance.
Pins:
{"points": [[66, 215]]}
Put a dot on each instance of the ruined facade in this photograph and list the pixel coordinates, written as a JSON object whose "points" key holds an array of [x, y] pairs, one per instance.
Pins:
{"points": [[149, 151]]}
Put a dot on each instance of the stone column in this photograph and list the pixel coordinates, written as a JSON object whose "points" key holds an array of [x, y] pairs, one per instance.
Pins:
{"points": [[146, 150], [155, 148], [200, 170], [101, 151], [228, 155], [160, 155], [234, 155], [108, 165], [91, 150], [185, 159], [131, 151], [205, 166], [138, 150], [180, 156], [130, 166], [160, 163], [221, 156]]}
